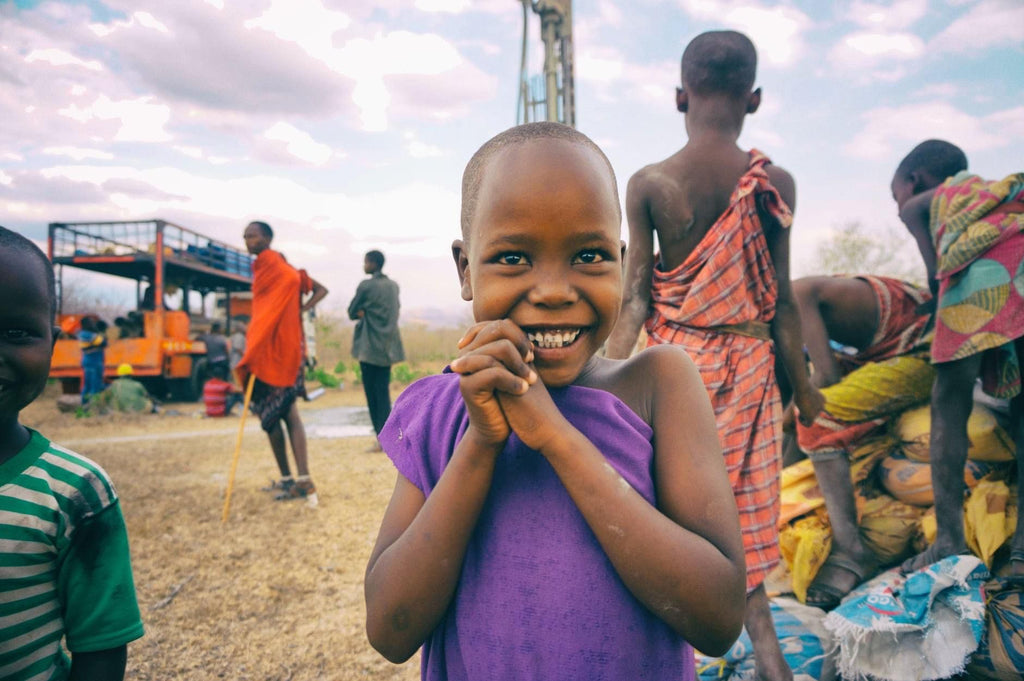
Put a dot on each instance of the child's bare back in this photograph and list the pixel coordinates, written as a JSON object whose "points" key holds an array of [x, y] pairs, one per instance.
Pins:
{"points": [[687, 193]]}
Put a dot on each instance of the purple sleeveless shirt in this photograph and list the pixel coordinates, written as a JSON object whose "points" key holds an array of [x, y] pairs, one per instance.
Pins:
{"points": [[538, 599]]}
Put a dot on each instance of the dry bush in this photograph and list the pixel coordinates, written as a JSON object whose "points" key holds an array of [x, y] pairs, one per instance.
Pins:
{"points": [[427, 349]]}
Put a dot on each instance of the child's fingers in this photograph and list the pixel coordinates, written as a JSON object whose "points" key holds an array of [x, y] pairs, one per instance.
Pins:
{"points": [[485, 333], [488, 379], [498, 354], [470, 334]]}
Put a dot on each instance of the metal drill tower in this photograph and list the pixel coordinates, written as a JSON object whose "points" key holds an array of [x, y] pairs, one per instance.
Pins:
{"points": [[550, 97]]}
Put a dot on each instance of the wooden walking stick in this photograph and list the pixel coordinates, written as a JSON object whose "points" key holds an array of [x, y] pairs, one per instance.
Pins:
{"points": [[238, 447]]}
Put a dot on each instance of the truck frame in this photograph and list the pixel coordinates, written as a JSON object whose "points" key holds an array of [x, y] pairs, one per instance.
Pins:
{"points": [[156, 252]]}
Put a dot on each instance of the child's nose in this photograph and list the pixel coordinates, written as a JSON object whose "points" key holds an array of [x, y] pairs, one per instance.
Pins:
{"points": [[553, 289]]}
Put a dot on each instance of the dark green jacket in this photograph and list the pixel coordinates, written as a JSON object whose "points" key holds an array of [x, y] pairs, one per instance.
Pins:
{"points": [[376, 339]]}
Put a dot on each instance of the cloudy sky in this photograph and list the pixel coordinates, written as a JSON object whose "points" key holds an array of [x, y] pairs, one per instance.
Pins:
{"points": [[345, 124]]}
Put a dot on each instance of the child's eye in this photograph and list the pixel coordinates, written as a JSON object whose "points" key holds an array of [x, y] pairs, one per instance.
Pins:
{"points": [[14, 334], [590, 257], [510, 259]]}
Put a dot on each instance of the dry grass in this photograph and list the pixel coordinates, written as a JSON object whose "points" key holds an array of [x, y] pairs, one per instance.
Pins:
{"points": [[276, 593]]}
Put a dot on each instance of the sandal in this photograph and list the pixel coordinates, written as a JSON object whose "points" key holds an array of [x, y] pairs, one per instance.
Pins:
{"points": [[822, 594], [299, 489], [282, 485]]}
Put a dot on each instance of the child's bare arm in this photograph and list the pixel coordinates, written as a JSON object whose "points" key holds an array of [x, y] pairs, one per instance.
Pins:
{"points": [[916, 214], [101, 665], [639, 267], [415, 564], [684, 559], [786, 331]]}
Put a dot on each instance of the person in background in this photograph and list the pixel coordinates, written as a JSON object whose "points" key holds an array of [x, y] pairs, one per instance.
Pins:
{"points": [[216, 349], [970, 233], [220, 396], [720, 289], [273, 354], [886, 325], [93, 344], [125, 394], [236, 345], [376, 342]]}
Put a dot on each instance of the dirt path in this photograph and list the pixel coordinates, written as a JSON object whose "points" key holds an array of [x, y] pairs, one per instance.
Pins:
{"points": [[276, 592]]}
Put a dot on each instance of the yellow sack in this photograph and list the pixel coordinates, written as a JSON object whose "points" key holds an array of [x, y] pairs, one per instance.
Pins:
{"points": [[911, 481], [888, 526], [805, 545], [985, 520], [988, 440], [864, 458], [800, 492], [880, 389], [926, 531]]}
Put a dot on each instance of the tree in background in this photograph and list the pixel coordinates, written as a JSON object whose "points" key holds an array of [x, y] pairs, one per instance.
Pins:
{"points": [[853, 250]]}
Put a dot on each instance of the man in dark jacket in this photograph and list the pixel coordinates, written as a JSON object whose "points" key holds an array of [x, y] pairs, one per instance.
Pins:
{"points": [[376, 342]]}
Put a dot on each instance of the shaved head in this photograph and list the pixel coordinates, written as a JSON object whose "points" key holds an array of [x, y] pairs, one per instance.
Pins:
{"points": [[938, 158], [10, 240], [473, 176], [719, 63]]}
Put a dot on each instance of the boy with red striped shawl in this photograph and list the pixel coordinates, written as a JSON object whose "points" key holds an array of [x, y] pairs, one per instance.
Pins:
{"points": [[720, 288]]}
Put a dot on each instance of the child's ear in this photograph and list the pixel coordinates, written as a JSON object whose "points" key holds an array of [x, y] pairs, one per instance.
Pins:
{"points": [[682, 100], [754, 102], [459, 252]]}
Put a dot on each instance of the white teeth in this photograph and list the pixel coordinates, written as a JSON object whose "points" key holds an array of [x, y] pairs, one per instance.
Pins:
{"points": [[553, 339]]}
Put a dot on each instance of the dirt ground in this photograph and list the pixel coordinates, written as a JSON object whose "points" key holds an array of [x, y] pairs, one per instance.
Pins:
{"points": [[274, 594]]}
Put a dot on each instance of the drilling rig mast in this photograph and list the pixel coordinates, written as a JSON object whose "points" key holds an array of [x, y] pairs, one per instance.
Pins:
{"points": [[551, 97]]}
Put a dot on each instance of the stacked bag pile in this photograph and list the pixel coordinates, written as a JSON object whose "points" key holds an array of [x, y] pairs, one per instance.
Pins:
{"points": [[892, 479]]}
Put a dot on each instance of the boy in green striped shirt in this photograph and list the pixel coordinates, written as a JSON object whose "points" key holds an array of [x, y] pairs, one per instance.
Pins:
{"points": [[65, 572]]}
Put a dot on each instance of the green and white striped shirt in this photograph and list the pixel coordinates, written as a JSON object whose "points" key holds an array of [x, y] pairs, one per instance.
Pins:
{"points": [[65, 571]]}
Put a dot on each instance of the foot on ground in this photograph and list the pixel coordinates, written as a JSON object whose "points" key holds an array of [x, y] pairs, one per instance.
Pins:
{"points": [[281, 485], [837, 577], [1016, 567], [932, 554]]}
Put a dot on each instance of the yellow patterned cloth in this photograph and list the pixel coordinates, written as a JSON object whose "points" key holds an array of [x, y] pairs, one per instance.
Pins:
{"points": [[978, 231]]}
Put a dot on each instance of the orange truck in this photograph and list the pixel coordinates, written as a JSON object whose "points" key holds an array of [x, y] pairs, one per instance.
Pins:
{"points": [[156, 342]]}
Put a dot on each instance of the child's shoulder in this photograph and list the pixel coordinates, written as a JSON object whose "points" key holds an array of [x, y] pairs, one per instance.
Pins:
{"points": [[646, 377], [81, 486], [653, 360]]}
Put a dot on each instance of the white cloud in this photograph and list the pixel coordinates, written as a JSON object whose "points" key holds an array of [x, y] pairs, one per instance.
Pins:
{"points": [[56, 57], [299, 143], [988, 24], [872, 56], [308, 23], [78, 153], [418, 149], [445, 6], [608, 70], [776, 31], [147, 20], [889, 131], [141, 120], [888, 16], [223, 59]]}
